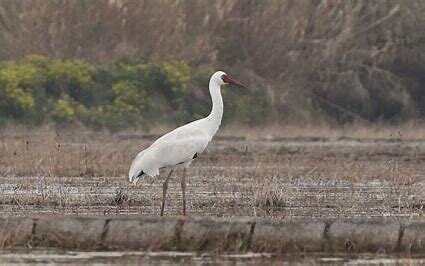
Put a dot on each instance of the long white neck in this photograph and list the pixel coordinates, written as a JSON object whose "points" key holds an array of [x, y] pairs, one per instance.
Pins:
{"points": [[214, 118]]}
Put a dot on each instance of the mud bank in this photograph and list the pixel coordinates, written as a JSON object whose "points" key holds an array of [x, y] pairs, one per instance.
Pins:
{"points": [[208, 234]]}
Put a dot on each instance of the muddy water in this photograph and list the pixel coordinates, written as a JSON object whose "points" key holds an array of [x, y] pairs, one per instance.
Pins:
{"points": [[237, 196], [287, 179], [173, 258]]}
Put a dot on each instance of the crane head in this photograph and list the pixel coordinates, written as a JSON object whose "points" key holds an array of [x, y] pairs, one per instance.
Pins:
{"points": [[222, 79], [228, 80]]}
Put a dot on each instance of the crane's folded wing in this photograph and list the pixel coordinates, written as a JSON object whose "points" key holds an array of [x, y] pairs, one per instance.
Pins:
{"points": [[168, 153]]}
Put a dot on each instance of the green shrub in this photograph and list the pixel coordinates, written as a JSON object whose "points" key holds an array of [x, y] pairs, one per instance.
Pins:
{"points": [[16, 88], [73, 78], [124, 93], [63, 111]]}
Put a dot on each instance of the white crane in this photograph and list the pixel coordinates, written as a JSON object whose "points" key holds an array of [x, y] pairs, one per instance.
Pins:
{"points": [[180, 146]]}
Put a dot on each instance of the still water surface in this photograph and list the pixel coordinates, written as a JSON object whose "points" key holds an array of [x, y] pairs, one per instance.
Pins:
{"points": [[43, 257]]}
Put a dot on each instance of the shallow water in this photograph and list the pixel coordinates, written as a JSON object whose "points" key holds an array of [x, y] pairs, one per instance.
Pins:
{"points": [[187, 258], [278, 179]]}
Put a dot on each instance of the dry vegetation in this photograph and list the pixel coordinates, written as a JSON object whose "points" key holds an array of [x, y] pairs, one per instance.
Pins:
{"points": [[337, 60], [70, 171]]}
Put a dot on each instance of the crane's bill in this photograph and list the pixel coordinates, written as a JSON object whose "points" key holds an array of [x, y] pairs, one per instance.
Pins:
{"points": [[229, 80]]}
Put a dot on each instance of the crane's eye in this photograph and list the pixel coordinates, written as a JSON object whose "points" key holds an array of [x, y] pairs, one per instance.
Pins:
{"points": [[225, 78]]}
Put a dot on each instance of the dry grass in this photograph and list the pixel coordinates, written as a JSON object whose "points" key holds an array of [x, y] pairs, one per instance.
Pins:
{"points": [[315, 60], [71, 152], [81, 171], [404, 132], [75, 151]]}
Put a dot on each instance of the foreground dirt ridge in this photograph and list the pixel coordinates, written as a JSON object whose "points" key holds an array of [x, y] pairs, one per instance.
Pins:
{"points": [[208, 234]]}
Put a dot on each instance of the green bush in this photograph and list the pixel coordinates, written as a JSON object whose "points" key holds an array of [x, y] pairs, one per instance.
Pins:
{"points": [[63, 111], [17, 82], [71, 77], [120, 94]]}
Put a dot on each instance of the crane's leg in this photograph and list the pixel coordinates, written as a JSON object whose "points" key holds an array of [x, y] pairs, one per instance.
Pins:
{"points": [[164, 191], [183, 184]]}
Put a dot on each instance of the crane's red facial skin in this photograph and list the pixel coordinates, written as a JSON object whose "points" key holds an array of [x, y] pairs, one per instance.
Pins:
{"points": [[228, 80]]}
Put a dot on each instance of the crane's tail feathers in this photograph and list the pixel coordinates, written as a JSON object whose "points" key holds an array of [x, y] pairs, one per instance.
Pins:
{"points": [[134, 176], [136, 170], [135, 181]]}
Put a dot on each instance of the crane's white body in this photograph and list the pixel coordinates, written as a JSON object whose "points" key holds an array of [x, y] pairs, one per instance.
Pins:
{"points": [[180, 146]]}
